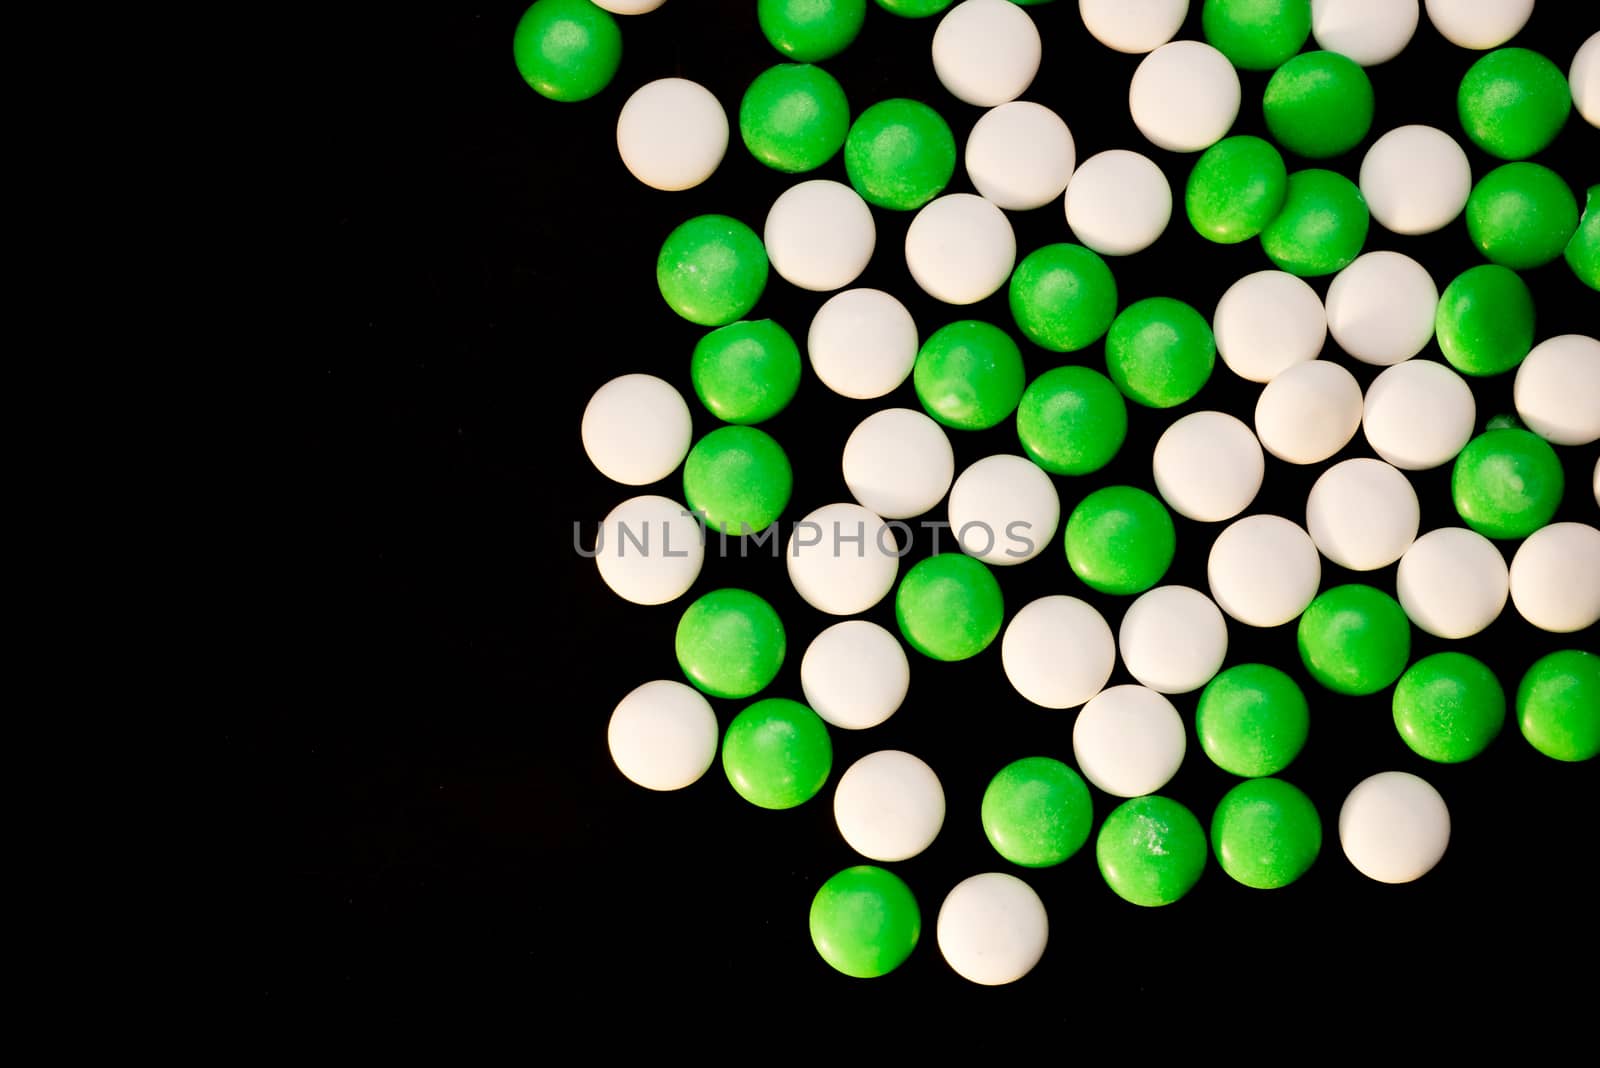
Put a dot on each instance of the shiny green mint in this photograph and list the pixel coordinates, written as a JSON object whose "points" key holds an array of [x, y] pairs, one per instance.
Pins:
{"points": [[1252, 720], [1558, 705], [1322, 226], [1151, 850], [1583, 251], [794, 117], [811, 30], [1485, 320], [949, 606], [730, 643], [777, 753], [1160, 352], [969, 375], [712, 270], [1319, 105], [1266, 833], [914, 9], [1037, 812], [738, 479], [1513, 102], [1354, 639], [900, 154], [1522, 215], [1236, 188], [1071, 421], [1256, 34], [865, 921], [1063, 297], [747, 372], [1120, 540], [1448, 707], [567, 49], [1507, 483]]}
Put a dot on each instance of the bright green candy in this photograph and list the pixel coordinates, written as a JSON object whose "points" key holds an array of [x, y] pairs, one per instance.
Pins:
{"points": [[1507, 483], [1485, 320], [1256, 34], [1513, 102], [777, 754], [865, 921], [914, 9], [949, 607], [1354, 639], [712, 269], [730, 643], [1322, 226], [811, 30], [969, 375], [1072, 421], [1160, 352], [746, 372], [1583, 251], [1522, 215], [1319, 104], [1037, 812], [1236, 188], [1266, 833], [1063, 297], [1558, 705], [1151, 850], [567, 49], [1252, 720], [1120, 540], [794, 117], [1448, 707], [900, 154], [738, 478]]}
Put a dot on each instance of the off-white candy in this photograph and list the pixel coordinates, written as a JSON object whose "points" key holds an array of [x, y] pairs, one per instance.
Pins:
{"points": [[1004, 510], [1118, 202], [1133, 26], [1555, 577], [1394, 827], [1558, 389], [1128, 741], [1184, 96], [1268, 322], [819, 235], [629, 7], [1309, 412], [1416, 179], [1452, 582], [1597, 482], [649, 550], [636, 429], [1173, 639], [1368, 31], [1020, 155], [855, 674], [898, 463], [1418, 414], [1584, 76], [862, 343], [1058, 651], [663, 735], [1363, 514], [1381, 308], [961, 248], [1263, 570], [672, 134], [1479, 24], [992, 928], [842, 559], [1208, 466], [986, 52], [889, 806]]}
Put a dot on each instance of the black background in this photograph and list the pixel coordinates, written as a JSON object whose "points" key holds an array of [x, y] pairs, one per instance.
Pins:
{"points": [[439, 780]]}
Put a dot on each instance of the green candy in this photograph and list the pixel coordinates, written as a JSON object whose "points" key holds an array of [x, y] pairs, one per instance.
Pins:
{"points": [[811, 30], [1319, 104], [1237, 187], [1252, 720], [1120, 540], [1256, 34], [1063, 297], [1485, 320], [730, 643], [1266, 833], [1522, 215], [1583, 251], [949, 607], [1448, 707], [747, 372], [969, 375], [777, 753], [1507, 483], [1160, 352], [1322, 226], [738, 479], [900, 154], [1513, 102], [567, 49], [914, 9], [712, 269], [794, 117], [865, 921], [1037, 812], [1071, 421], [1354, 639], [1558, 705], [1151, 850]]}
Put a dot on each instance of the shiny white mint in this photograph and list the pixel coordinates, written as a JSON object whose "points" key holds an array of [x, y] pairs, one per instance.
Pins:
{"points": [[1128, 741], [1452, 582], [842, 559], [1004, 510], [1381, 308], [649, 550], [1020, 155], [1133, 26], [1363, 514], [992, 928], [889, 806], [1416, 179], [1555, 578], [960, 248], [672, 134], [1173, 639], [862, 343], [629, 7], [1368, 31], [1266, 323], [898, 463], [1208, 466], [1479, 24], [855, 674], [819, 235], [1394, 827], [1184, 96], [636, 429], [1418, 414], [1309, 412], [986, 52], [1263, 570], [1118, 203], [1584, 77], [1058, 651], [1557, 391], [663, 735]]}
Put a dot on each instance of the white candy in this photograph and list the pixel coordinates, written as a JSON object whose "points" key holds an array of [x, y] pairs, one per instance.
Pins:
{"points": [[1363, 514], [1418, 414], [1128, 741], [1004, 510], [992, 928], [960, 248], [862, 343], [1184, 96], [1208, 466], [1597, 482], [855, 674], [986, 52], [1266, 323], [663, 735], [1381, 308], [898, 463], [819, 235], [629, 7], [889, 806], [1173, 640], [1479, 24], [1058, 651], [1263, 570], [1133, 25], [1585, 79], [649, 550], [636, 429], [1558, 390], [1020, 155], [1555, 578], [1368, 31], [1118, 203], [1416, 179], [842, 559], [1452, 582], [1394, 827], [1309, 412], [672, 134]]}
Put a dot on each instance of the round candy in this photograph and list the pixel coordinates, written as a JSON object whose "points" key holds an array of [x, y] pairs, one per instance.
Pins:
{"points": [[900, 154], [1037, 812], [1363, 514], [820, 235], [1416, 179], [862, 343], [567, 49], [1522, 215], [1004, 510], [1058, 652], [1252, 720], [1208, 466], [663, 735], [1266, 833], [1151, 851], [1133, 26], [776, 753], [1452, 582], [949, 607], [914, 9], [986, 52], [1319, 104], [730, 643], [1394, 827], [1354, 639], [992, 928], [1128, 741], [1071, 421], [1448, 707], [1507, 483], [811, 30], [1558, 705], [1322, 226], [649, 550], [738, 479], [1418, 414], [1558, 390], [1173, 639], [712, 269], [1583, 251], [1479, 24], [672, 134], [1485, 321], [969, 375], [889, 806], [855, 674], [1584, 74], [1263, 570], [898, 463], [629, 7], [746, 372], [794, 117], [1184, 96], [1555, 578], [1268, 322], [1256, 34], [1513, 102], [865, 922], [842, 559], [1368, 31], [1236, 188], [1120, 540], [960, 248], [1020, 155], [1160, 352], [1063, 297], [1309, 412], [636, 429], [1381, 308], [1118, 202]]}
